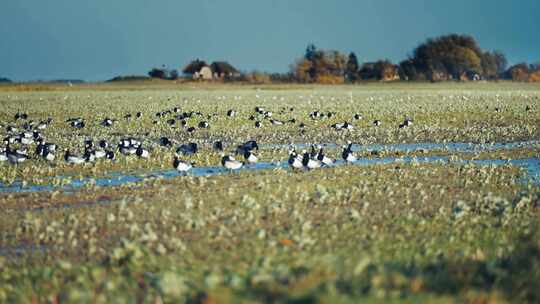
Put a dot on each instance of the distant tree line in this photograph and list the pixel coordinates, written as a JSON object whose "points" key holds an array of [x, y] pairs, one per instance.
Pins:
{"points": [[449, 57], [4, 80]]}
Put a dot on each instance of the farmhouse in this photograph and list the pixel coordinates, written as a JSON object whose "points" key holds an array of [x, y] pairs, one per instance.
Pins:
{"points": [[218, 70]]}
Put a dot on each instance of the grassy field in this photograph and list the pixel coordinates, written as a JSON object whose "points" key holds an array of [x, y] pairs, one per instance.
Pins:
{"points": [[443, 232]]}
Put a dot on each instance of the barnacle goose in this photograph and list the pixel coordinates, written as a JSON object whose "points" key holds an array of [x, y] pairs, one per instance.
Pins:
{"points": [[230, 163]]}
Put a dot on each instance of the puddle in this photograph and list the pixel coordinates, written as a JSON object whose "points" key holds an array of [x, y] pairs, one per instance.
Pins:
{"points": [[409, 147], [530, 165]]}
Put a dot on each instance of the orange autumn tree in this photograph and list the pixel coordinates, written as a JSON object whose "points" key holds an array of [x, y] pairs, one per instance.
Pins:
{"points": [[320, 66]]}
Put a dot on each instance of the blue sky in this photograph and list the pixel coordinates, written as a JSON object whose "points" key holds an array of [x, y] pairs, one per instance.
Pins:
{"points": [[99, 39]]}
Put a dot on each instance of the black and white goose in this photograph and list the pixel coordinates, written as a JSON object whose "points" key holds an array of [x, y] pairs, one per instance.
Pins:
{"points": [[258, 124], [103, 144], [187, 149], [181, 165], [16, 156], [231, 113], [3, 155], [110, 155], [142, 152], [204, 125], [73, 159], [347, 154], [295, 160], [26, 138], [276, 122], [250, 157], [376, 123], [358, 116], [230, 163], [107, 122], [165, 142], [77, 123], [408, 122], [308, 162], [48, 154], [325, 160]]}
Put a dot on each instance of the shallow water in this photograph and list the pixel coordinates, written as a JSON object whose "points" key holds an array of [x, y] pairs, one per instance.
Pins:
{"points": [[531, 165]]}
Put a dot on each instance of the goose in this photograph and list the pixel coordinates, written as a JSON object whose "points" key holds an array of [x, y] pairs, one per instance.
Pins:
{"points": [[107, 122], [138, 115], [21, 116], [89, 156], [204, 125], [165, 142], [230, 163], [110, 155], [181, 166], [187, 149], [348, 155], [260, 110], [276, 122], [98, 153], [376, 123], [295, 160], [309, 162], [218, 146], [26, 140], [251, 145], [12, 129], [142, 153], [231, 113], [325, 160], [3, 155], [42, 125], [16, 156], [103, 144], [77, 123], [129, 150], [72, 159], [408, 122], [48, 155], [258, 124], [191, 129], [250, 157]]}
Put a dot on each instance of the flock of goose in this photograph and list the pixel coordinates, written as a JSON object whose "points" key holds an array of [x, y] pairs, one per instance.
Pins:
{"points": [[28, 135]]}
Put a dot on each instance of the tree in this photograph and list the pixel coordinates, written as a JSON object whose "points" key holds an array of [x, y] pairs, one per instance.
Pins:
{"points": [[326, 66], [501, 61], [385, 70], [351, 71], [157, 73], [451, 56], [518, 72]]}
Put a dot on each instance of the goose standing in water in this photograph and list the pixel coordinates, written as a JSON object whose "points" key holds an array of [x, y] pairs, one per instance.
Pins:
{"points": [[181, 166], [309, 162], [348, 155], [295, 160], [230, 163], [325, 160]]}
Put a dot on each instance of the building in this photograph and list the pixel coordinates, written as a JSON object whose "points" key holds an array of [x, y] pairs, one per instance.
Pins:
{"points": [[218, 70]]}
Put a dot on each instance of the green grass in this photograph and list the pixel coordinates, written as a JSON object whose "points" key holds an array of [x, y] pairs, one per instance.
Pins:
{"points": [[395, 233]]}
